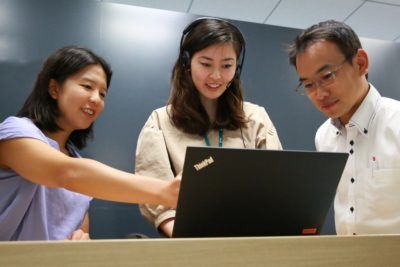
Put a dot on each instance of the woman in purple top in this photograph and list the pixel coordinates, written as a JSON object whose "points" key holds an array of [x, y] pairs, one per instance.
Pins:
{"points": [[40, 169]]}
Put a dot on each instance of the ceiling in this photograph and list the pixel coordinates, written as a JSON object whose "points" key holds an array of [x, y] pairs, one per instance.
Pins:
{"points": [[370, 19]]}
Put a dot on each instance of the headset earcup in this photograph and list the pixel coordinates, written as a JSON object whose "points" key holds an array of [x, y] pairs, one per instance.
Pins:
{"points": [[238, 71], [186, 59]]}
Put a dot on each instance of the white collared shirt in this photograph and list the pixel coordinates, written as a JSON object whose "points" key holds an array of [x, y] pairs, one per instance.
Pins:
{"points": [[367, 199]]}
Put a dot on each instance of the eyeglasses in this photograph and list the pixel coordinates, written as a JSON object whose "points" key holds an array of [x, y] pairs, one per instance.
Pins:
{"points": [[324, 79]]}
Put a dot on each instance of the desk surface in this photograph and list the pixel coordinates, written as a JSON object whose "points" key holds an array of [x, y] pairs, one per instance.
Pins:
{"points": [[383, 250]]}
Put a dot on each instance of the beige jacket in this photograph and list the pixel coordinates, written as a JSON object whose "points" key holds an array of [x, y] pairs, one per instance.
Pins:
{"points": [[161, 148]]}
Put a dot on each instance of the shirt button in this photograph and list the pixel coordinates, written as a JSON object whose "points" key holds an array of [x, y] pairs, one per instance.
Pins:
{"points": [[365, 131], [351, 151], [352, 180], [337, 133], [354, 234], [351, 142], [351, 209]]}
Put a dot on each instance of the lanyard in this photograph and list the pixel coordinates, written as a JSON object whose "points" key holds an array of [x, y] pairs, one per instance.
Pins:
{"points": [[220, 137]]}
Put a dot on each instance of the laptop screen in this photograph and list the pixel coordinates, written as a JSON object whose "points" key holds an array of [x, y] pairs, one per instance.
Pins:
{"points": [[229, 192]]}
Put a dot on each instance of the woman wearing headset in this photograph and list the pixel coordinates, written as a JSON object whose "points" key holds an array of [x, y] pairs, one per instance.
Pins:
{"points": [[205, 107]]}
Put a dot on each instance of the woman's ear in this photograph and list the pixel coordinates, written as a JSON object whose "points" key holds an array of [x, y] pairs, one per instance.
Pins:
{"points": [[362, 62], [53, 88]]}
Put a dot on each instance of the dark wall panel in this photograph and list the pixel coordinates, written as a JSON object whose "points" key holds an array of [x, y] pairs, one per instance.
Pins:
{"points": [[142, 44]]}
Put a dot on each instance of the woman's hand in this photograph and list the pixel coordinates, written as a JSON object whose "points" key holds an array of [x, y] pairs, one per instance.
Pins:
{"points": [[171, 192], [79, 235], [167, 227]]}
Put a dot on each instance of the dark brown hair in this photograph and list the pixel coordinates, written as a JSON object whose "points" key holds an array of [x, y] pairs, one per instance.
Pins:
{"points": [[187, 113]]}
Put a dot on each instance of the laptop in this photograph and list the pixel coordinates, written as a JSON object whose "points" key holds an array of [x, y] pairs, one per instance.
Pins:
{"points": [[230, 192]]}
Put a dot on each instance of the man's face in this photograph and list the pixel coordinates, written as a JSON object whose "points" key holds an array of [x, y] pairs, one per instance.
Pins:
{"points": [[345, 90]]}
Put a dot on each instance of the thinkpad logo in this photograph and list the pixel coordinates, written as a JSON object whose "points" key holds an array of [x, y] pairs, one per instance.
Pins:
{"points": [[203, 163]]}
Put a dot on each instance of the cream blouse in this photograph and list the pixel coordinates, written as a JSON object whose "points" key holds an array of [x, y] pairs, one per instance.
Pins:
{"points": [[161, 148]]}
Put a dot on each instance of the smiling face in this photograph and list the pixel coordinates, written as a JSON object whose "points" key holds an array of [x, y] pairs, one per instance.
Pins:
{"points": [[80, 97], [341, 98], [212, 70]]}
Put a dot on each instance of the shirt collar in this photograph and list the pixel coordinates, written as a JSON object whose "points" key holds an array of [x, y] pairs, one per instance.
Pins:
{"points": [[365, 113]]}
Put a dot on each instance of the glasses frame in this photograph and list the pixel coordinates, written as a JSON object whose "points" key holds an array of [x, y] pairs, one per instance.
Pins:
{"points": [[319, 83]]}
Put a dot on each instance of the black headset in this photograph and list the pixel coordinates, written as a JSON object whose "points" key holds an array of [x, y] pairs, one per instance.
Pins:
{"points": [[186, 55]]}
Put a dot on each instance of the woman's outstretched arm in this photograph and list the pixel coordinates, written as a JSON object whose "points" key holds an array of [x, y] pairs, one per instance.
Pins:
{"points": [[39, 163]]}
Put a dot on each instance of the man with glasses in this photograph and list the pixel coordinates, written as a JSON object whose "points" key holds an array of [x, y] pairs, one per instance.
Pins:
{"points": [[333, 68]]}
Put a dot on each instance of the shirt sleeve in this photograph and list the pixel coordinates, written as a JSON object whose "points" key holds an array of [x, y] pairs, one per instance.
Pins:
{"points": [[267, 136], [14, 127], [152, 160]]}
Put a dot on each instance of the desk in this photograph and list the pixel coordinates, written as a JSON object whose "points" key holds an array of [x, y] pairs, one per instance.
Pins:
{"points": [[382, 250]]}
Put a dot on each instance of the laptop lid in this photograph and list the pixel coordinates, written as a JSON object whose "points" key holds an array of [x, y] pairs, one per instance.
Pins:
{"points": [[228, 192]]}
